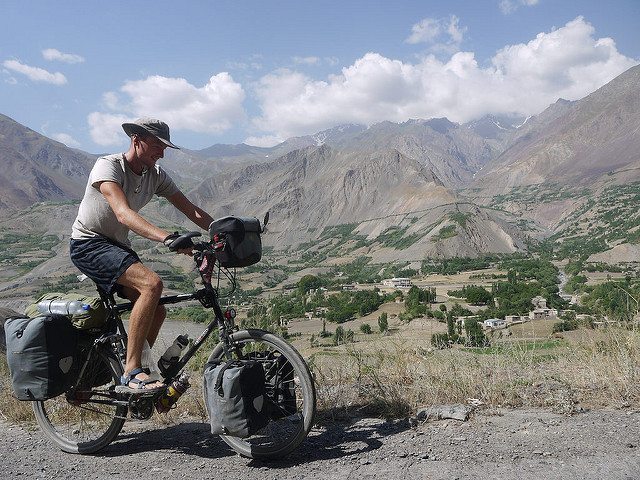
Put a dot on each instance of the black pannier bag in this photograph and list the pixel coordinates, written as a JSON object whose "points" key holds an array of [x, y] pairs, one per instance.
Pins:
{"points": [[42, 355], [241, 239], [5, 314], [235, 397]]}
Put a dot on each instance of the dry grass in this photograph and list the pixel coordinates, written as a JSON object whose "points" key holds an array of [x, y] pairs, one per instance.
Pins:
{"points": [[597, 370], [12, 409], [586, 368]]}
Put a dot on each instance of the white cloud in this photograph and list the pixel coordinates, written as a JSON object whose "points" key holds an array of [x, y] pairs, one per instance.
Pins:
{"points": [[510, 6], [106, 128], [212, 108], [265, 141], [426, 31], [442, 34], [67, 139], [243, 66], [314, 61], [52, 54], [307, 60], [111, 101], [568, 62], [34, 73]]}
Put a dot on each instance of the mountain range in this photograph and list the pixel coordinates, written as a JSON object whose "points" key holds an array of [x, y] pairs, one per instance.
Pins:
{"points": [[398, 191]]}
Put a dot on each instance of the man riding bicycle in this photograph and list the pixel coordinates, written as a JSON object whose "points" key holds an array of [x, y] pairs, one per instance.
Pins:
{"points": [[119, 186]]}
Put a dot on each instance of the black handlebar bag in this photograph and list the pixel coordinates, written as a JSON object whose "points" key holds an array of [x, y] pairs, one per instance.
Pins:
{"points": [[42, 355], [240, 240]]}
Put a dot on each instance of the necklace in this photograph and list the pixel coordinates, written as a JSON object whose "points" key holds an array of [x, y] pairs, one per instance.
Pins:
{"points": [[142, 174], [139, 187]]}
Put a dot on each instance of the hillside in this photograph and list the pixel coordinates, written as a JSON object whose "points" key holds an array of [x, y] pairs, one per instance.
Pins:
{"points": [[575, 143], [34, 168], [422, 188]]}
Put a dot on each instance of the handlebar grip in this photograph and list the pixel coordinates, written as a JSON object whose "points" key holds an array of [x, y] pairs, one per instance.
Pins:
{"points": [[181, 241]]}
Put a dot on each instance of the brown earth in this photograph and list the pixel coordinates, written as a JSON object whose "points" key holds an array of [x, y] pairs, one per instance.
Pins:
{"points": [[522, 444]]}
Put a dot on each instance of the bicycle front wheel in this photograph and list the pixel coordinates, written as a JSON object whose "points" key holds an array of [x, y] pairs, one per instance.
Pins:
{"points": [[289, 386], [86, 418]]}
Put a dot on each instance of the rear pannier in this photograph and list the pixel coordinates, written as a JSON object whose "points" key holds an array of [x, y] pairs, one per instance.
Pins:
{"points": [[240, 239], [42, 355]]}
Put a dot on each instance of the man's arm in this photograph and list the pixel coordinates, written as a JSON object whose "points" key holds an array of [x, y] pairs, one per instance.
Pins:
{"points": [[126, 216], [192, 212]]}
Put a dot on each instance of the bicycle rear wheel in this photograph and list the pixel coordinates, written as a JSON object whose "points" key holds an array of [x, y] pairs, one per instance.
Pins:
{"points": [[290, 388], [85, 418]]}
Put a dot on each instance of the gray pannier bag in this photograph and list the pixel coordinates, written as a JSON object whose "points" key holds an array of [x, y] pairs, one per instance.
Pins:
{"points": [[42, 355], [240, 239], [236, 398]]}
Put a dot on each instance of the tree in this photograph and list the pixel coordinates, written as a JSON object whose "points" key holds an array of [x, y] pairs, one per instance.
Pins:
{"points": [[450, 325], [418, 301], [440, 340], [365, 328], [475, 335], [383, 324], [307, 283], [477, 295], [342, 336]]}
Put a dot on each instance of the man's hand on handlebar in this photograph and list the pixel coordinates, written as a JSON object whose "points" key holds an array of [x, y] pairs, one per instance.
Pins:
{"points": [[180, 243]]}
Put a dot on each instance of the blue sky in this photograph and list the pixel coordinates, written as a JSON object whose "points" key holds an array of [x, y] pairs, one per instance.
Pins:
{"points": [[262, 71]]}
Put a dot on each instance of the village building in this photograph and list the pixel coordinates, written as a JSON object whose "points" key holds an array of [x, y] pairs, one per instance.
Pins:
{"points": [[494, 323], [398, 282], [543, 313], [515, 319]]}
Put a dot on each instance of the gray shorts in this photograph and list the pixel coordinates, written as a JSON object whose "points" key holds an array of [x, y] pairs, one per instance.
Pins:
{"points": [[102, 260]]}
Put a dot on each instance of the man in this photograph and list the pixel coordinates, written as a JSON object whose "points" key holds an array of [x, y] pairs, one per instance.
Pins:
{"points": [[119, 186]]}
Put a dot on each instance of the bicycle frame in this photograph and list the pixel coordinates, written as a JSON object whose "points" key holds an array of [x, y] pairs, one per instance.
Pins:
{"points": [[208, 296]]}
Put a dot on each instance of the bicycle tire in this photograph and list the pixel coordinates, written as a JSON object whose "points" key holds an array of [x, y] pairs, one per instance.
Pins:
{"points": [[283, 435], [74, 422]]}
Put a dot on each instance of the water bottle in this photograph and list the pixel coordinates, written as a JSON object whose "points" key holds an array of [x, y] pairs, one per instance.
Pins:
{"points": [[173, 393], [148, 363], [63, 307], [172, 355]]}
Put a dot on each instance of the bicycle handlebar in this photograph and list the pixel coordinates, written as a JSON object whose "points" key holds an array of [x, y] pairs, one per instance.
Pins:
{"points": [[175, 242]]}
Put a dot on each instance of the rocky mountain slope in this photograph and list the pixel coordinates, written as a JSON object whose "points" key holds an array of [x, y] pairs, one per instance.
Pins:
{"points": [[378, 182], [34, 168], [402, 191], [574, 143]]}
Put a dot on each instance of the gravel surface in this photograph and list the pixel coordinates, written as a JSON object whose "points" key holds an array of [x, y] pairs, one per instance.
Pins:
{"points": [[522, 444]]}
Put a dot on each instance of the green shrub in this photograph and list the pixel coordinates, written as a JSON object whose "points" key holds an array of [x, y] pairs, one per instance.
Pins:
{"points": [[565, 326], [365, 328], [440, 340]]}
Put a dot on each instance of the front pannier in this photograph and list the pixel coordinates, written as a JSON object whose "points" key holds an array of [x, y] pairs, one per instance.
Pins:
{"points": [[42, 355], [240, 239], [235, 397]]}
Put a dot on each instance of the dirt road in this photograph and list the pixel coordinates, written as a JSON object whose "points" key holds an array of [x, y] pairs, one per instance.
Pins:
{"points": [[519, 444]]}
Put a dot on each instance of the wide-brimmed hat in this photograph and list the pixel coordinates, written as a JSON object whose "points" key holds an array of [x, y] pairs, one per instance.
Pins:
{"points": [[150, 126]]}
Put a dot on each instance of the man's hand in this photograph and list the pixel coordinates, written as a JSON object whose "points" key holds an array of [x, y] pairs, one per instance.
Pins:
{"points": [[177, 243]]}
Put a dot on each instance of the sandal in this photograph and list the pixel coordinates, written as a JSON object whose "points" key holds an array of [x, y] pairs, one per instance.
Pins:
{"points": [[139, 386]]}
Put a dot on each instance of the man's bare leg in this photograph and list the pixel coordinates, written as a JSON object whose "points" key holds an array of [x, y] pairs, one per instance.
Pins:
{"points": [[145, 286]]}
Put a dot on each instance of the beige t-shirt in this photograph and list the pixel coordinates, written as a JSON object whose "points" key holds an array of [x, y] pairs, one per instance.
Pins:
{"points": [[95, 216]]}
